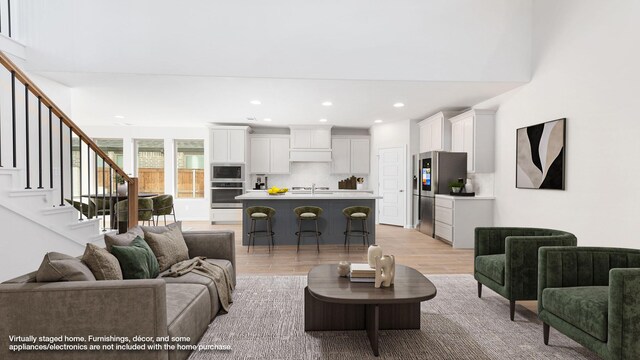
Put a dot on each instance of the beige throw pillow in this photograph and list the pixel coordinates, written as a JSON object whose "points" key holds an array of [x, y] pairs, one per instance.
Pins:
{"points": [[122, 239], [169, 246], [103, 265], [60, 267]]}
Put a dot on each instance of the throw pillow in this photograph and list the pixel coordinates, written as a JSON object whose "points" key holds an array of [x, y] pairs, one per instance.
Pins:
{"points": [[132, 265], [161, 229], [61, 267], [122, 239], [103, 265], [169, 247]]}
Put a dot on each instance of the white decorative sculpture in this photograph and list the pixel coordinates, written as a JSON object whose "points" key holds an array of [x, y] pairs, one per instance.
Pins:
{"points": [[374, 251], [385, 270], [344, 267]]}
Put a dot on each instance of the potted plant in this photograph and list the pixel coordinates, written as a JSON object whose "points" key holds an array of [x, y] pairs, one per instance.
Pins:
{"points": [[456, 186], [121, 187]]}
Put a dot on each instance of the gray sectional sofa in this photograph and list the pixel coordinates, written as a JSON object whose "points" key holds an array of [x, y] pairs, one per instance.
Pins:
{"points": [[183, 306]]}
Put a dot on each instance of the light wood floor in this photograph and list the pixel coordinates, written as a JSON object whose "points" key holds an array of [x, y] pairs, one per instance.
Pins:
{"points": [[411, 248]]}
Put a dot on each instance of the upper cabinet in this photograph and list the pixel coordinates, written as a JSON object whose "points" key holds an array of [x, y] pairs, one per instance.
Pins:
{"points": [[269, 154], [435, 132], [228, 144], [350, 155], [310, 137], [473, 132]]}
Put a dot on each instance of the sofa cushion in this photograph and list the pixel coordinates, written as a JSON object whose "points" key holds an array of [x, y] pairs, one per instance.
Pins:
{"points": [[188, 313], [60, 267], [162, 229], [492, 266], [123, 239], [103, 265], [193, 278], [168, 246], [583, 307]]}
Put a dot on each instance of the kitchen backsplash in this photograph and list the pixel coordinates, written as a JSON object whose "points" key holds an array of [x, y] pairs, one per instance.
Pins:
{"points": [[305, 174], [482, 183]]}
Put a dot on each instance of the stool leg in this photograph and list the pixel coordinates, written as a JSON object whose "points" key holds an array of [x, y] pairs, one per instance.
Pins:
{"points": [[348, 233], [366, 231], [299, 233], [317, 236], [273, 242], [269, 232], [251, 233]]}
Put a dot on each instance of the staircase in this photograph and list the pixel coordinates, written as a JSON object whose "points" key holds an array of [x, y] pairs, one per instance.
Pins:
{"points": [[51, 174]]}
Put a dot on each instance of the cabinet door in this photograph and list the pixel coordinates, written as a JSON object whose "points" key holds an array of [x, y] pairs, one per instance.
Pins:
{"points": [[279, 155], [236, 145], [425, 138], [320, 138], [260, 155], [457, 136], [360, 156], [436, 135], [340, 156], [220, 146], [468, 145], [300, 138]]}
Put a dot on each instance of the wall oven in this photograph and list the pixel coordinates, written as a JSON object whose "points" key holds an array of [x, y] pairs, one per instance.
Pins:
{"points": [[227, 172], [223, 194]]}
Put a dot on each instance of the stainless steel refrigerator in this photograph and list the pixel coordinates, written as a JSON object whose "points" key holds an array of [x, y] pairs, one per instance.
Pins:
{"points": [[435, 170]]}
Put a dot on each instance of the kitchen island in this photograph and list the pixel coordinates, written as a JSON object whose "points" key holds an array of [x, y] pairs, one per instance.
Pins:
{"points": [[332, 223]]}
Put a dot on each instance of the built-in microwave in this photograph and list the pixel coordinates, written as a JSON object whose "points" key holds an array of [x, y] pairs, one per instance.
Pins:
{"points": [[227, 172]]}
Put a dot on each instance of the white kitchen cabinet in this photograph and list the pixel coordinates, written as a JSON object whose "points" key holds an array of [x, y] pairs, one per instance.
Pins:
{"points": [[310, 137], [350, 155], [435, 132], [269, 154], [473, 132], [228, 144], [457, 217]]}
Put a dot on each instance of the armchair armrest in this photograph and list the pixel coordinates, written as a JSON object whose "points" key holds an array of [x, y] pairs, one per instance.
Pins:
{"points": [[213, 245], [624, 313], [82, 308]]}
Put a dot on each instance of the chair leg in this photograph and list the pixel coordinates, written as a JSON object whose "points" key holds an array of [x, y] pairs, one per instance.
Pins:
{"points": [[545, 333], [512, 308], [165, 219], [173, 212], [348, 234], [479, 289], [317, 236], [251, 235], [299, 233], [269, 241]]}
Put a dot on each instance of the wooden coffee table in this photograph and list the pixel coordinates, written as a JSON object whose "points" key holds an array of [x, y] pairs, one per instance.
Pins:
{"points": [[333, 303]]}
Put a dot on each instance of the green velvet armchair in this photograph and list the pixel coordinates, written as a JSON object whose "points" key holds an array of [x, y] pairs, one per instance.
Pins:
{"points": [[592, 295], [506, 259]]}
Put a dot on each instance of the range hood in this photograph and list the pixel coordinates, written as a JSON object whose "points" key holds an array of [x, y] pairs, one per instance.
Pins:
{"points": [[310, 144]]}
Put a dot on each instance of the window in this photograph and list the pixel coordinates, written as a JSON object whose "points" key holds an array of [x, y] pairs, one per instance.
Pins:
{"points": [[190, 166], [150, 165], [114, 150]]}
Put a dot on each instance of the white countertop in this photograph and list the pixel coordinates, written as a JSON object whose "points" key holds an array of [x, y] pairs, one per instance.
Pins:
{"points": [[257, 195], [465, 197]]}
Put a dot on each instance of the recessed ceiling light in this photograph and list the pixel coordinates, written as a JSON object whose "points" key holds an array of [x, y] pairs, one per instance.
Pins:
{"points": [[398, 105], [378, 121], [119, 116], [323, 120], [267, 119], [327, 103], [256, 102]]}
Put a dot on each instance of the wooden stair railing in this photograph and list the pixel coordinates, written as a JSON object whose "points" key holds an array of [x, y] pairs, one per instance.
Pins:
{"points": [[31, 89]]}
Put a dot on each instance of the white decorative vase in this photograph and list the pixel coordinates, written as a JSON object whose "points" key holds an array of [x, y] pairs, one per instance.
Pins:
{"points": [[374, 250], [359, 186], [122, 189], [468, 187]]}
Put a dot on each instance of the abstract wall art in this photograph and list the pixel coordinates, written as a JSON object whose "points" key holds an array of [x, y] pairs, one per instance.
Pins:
{"points": [[540, 156]]}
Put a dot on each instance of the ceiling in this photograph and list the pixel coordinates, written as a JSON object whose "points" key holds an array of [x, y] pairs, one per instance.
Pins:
{"points": [[203, 61]]}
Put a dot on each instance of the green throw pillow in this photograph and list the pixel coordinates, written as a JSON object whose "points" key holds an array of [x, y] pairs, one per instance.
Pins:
{"points": [[136, 260]]}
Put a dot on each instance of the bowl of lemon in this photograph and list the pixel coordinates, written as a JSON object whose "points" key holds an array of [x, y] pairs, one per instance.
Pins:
{"points": [[277, 191]]}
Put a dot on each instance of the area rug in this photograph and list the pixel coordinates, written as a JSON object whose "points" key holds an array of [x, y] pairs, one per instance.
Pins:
{"points": [[266, 321]]}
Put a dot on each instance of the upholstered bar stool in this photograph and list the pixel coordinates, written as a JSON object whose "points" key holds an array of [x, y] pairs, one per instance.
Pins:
{"points": [[260, 213], [308, 213], [358, 213]]}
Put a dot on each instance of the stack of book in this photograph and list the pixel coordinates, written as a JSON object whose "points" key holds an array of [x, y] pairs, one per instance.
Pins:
{"points": [[362, 273]]}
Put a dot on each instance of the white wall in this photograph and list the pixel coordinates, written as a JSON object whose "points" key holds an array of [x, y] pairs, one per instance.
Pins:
{"points": [[395, 134], [587, 69], [186, 209]]}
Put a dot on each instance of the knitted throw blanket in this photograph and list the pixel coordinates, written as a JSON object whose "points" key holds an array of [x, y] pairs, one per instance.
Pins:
{"points": [[218, 274]]}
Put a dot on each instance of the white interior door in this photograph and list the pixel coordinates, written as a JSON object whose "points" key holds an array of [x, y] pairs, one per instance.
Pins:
{"points": [[392, 181]]}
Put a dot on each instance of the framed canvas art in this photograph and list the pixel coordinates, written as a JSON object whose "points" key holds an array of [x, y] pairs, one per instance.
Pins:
{"points": [[540, 158]]}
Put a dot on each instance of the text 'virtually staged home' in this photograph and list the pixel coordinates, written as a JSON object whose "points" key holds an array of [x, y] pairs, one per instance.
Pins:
{"points": [[355, 179]]}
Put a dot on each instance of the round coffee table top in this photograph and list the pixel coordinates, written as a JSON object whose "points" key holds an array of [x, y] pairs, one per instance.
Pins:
{"points": [[409, 286]]}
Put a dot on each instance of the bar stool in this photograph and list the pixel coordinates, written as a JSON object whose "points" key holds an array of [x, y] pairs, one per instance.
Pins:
{"points": [[356, 213], [258, 213], [308, 213]]}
